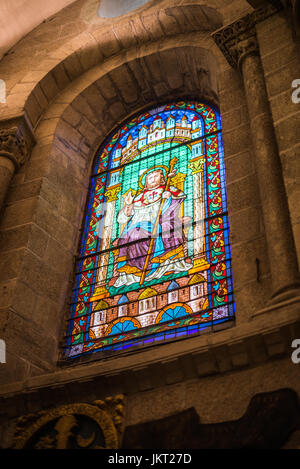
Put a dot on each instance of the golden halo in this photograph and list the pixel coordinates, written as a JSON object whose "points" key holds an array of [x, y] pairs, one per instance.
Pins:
{"points": [[153, 168]]}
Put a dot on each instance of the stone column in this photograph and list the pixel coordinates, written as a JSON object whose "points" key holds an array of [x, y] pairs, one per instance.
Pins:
{"points": [[15, 144], [239, 44]]}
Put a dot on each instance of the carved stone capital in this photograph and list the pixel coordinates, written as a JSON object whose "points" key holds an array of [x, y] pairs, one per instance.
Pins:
{"points": [[238, 40], [16, 140]]}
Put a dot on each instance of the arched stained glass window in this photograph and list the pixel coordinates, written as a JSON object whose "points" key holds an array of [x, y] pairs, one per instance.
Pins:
{"points": [[155, 262]]}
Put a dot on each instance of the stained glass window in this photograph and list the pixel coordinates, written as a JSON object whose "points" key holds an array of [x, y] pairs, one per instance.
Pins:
{"points": [[155, 261]]}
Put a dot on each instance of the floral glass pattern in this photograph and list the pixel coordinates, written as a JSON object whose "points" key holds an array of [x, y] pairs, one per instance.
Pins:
{"points": [[155, 260]]}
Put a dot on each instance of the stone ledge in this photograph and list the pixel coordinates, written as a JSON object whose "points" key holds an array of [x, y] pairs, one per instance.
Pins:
{"points": [[247, 345]]}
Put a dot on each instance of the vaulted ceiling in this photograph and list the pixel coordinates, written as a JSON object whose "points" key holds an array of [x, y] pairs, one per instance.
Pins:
{"points": [[19, 17]]}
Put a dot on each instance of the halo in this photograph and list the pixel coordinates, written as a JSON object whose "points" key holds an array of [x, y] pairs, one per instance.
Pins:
{"points": [[153, 168]]}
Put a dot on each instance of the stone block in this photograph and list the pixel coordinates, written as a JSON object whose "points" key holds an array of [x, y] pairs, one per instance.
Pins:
{"points": [[281, 80], [18, 192], [36, 169], [33, 109], [274, 343], [125, 35], [89, 55], [7, 290], [256, 349], [296, 233], [245, 265], [19, 213], [73, 66], [118, 111], [49, 315], [282, 105], [95, 101], [171, 69], [251, 296], [222, 358], [239, 166], [230, 80], [272, 34], [239, 354], [152, 64], [87, 130], [68, 134], [280, 58], [124, 84], [142, 79], [237, 140], [235, 118], [36, 346], [23, 300], [72, 116], [49, 86], [50, 193], [60, 76], [57, 256], [87, 106], [62, 180], [232, 99], [15, 369], [172, 371], [38, 240], [142, 378], [41, 277], [246, 224], [286, 133], [14, 238], [71, 208], [46, 128], [107, 41], [40, 97], [243, 193], [54, 225], [205, 363]]}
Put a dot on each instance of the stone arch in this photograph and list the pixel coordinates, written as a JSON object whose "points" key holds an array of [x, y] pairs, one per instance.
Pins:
{"points": [[42, 81], [68, 136], [186, 72], [69, 129]]}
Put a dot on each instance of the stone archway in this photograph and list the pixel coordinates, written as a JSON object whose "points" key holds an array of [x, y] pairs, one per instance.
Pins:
{"points": [[67, 137]]}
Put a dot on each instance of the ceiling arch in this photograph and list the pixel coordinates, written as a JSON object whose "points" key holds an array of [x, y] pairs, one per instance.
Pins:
{"points": [[19, 17], [44, 76], [80, 121]]}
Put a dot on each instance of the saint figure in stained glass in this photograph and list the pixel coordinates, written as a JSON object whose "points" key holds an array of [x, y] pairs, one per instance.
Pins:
{"points": [[154, 202]]}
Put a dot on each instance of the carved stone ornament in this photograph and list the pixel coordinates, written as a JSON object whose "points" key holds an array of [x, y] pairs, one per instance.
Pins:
{"points": [[238, 40], [76, 426], [16, 140]]}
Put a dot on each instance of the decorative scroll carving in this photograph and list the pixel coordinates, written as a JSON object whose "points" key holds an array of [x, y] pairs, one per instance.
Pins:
{"points": [[16, 140], [238, 40], [76, 426]]}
